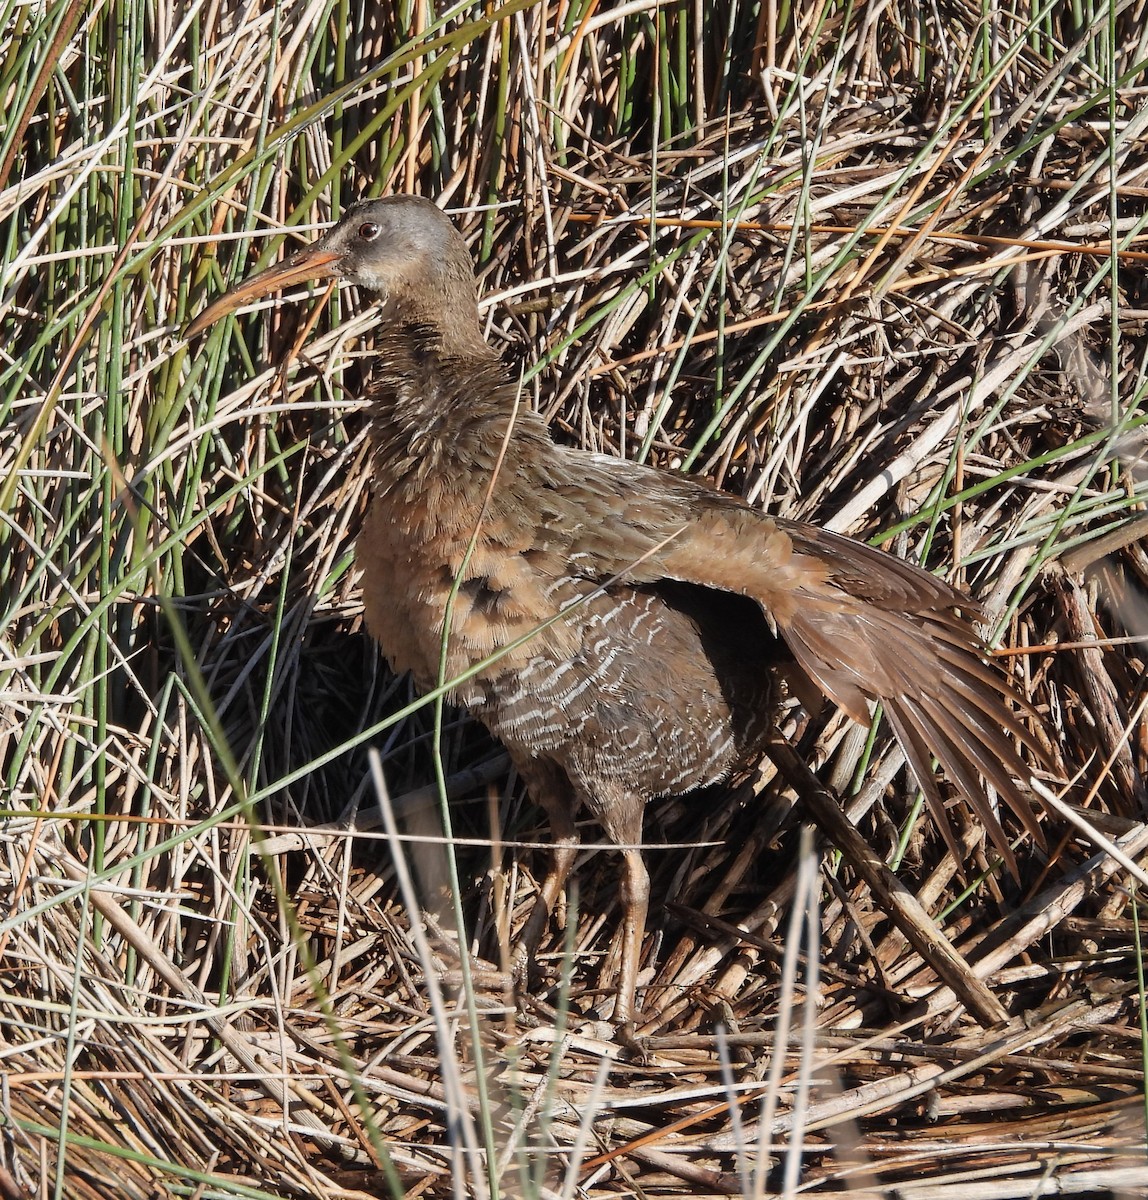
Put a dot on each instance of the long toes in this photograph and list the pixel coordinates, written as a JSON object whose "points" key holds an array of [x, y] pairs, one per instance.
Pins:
{"points": [[637, 1047], [520, 964]]}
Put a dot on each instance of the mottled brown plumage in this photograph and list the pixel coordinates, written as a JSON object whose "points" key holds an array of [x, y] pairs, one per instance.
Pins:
{"points": [[642, 616]]}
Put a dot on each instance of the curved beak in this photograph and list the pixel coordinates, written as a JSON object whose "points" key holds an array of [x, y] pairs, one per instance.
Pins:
{"points": [[312, 262]]}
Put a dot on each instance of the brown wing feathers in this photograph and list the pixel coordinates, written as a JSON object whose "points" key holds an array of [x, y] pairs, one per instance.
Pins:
{"points": [[867, 626], [923, 663]]}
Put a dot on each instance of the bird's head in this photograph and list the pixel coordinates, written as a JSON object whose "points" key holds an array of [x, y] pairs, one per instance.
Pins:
{"points": [[401, 247]]}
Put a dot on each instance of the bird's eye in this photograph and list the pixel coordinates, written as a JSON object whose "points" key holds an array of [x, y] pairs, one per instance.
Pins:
{"points": [[369, 230]]}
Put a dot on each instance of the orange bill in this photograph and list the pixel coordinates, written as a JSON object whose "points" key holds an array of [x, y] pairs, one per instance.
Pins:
{"points": [[312, 262]]}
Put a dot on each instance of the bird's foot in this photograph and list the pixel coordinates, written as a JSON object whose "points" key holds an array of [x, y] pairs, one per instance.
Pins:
{"points": [[520, 963], [636, 1046]]}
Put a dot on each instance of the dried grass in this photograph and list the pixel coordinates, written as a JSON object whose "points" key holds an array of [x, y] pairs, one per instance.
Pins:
{"points": [[883, 271]]}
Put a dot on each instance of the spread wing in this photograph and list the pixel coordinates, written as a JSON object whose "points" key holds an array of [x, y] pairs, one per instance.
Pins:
{"points": [[865, 626]]}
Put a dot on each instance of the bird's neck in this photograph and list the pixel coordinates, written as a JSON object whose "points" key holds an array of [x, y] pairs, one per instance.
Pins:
{"points": [[441, 319], [441, 412]]}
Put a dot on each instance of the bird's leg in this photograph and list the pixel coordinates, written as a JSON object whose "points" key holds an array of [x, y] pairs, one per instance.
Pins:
{"points": [[635, 906], [562, 857], [620, 811], [552, 792]]}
